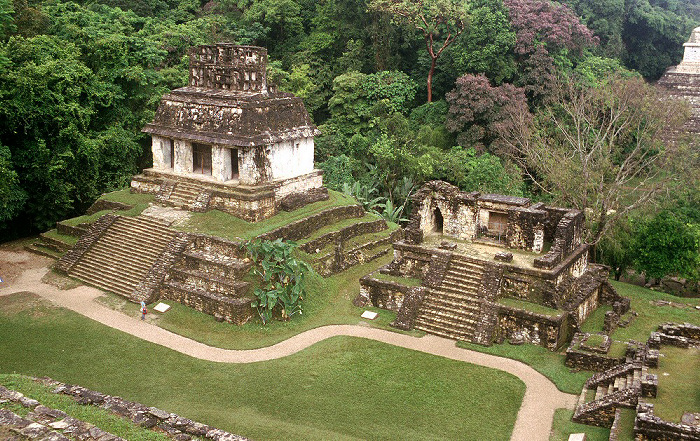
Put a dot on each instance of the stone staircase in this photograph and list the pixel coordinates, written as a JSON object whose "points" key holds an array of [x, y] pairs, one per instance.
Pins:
{"points": [[121, 258], [183, 194], [616, 387], [452, 309]]}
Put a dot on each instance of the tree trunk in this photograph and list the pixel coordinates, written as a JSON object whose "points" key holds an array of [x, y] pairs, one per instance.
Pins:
{"points": [[430, 79]]}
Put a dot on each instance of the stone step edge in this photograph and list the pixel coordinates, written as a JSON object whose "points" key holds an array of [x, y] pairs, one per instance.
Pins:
{"points": [[142, 413]]}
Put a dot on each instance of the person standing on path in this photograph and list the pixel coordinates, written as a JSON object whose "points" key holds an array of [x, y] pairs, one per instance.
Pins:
{"points": [[143, 311]]}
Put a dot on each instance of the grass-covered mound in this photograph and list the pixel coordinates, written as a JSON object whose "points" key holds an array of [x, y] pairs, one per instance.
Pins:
{"points": [[679, 389], [650, 315], [342, 388]]}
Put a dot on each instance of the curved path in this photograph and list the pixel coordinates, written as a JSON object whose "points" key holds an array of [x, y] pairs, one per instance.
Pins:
{"points": [[534, 419]]}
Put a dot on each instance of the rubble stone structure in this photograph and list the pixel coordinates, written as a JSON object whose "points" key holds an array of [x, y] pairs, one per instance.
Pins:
{"points": [[227, 140], [491, 267], [683, 81], [633, 384]]}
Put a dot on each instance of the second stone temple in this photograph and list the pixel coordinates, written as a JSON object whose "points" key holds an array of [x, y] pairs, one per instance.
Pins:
{"points": [[227, 141]]}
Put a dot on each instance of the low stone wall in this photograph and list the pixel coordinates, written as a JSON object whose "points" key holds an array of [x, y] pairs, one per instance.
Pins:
{"points": [[174, 426], [413, 300], [648, 427], [96, 230], [236, 310], [344, 234], [384, 294], [529, 327], [589, 360], [142, 184], [295, 201], [681, 330], [304, 227], [341, 258], [252, 208], [70, 230], [566, 239]]}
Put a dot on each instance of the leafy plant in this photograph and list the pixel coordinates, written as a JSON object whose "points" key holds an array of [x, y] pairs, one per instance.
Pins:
{"points": [[364, 194], [282, 275]]}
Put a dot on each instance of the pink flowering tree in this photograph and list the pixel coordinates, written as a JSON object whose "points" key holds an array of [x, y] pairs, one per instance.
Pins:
{"points": [[477, 109], [547, 35]]}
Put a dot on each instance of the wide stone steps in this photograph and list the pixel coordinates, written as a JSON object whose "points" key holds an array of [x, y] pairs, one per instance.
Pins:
{"points": [[445, 317], [451, 305], [444, 331], [120, 259], [464, 270], [184, 194], [458, 294], [458, 287], [452, 309], [122, 241]]}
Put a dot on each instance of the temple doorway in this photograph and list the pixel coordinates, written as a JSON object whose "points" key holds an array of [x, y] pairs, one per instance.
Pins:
{"points": [[439, 220], [234, 163], [201, 159]]}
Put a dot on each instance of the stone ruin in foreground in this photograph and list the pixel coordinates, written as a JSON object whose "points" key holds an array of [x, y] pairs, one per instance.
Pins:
{"points": [[491, 267]]}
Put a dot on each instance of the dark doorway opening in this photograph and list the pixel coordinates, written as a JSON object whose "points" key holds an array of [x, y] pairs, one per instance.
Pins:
{"points": [[201, 159], [439, 220], [234, 163], [172, 154]]}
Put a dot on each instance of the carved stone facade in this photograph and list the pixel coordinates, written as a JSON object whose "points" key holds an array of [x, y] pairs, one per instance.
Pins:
{"points": [[229, 133], [538, 292]]}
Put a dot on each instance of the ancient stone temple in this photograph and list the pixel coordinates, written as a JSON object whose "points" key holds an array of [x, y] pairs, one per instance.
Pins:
{"points": [[228, 141], [683, 81], [486, 267]]}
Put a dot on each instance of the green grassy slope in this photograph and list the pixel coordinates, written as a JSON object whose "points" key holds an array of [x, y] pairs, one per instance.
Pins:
{"points": [[342, 388]]}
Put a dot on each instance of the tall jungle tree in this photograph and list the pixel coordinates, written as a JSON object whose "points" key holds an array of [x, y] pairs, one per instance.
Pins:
{"points": [[440, 22]]}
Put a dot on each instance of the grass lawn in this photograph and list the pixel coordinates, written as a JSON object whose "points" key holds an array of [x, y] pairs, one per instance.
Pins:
{"points": [[650, 316], [679, 390], [91, 414], [54, 234], [125, 196], [563, 427], [222, 224], [342, 388], [548, 363]]}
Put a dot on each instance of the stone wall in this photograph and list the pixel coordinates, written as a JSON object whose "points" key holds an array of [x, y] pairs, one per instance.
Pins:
{"points": [[207, 277], [233, 310], [526, 229], [580, 357], [149, 288], [567, 239], [343, 257], [343, 234], [304, 227], [172, 425], [649, 427], [413, 300], [526, 326], [384, 294]]}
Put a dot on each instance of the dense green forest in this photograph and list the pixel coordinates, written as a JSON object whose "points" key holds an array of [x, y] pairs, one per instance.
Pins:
{"points": [[486, 94]]}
